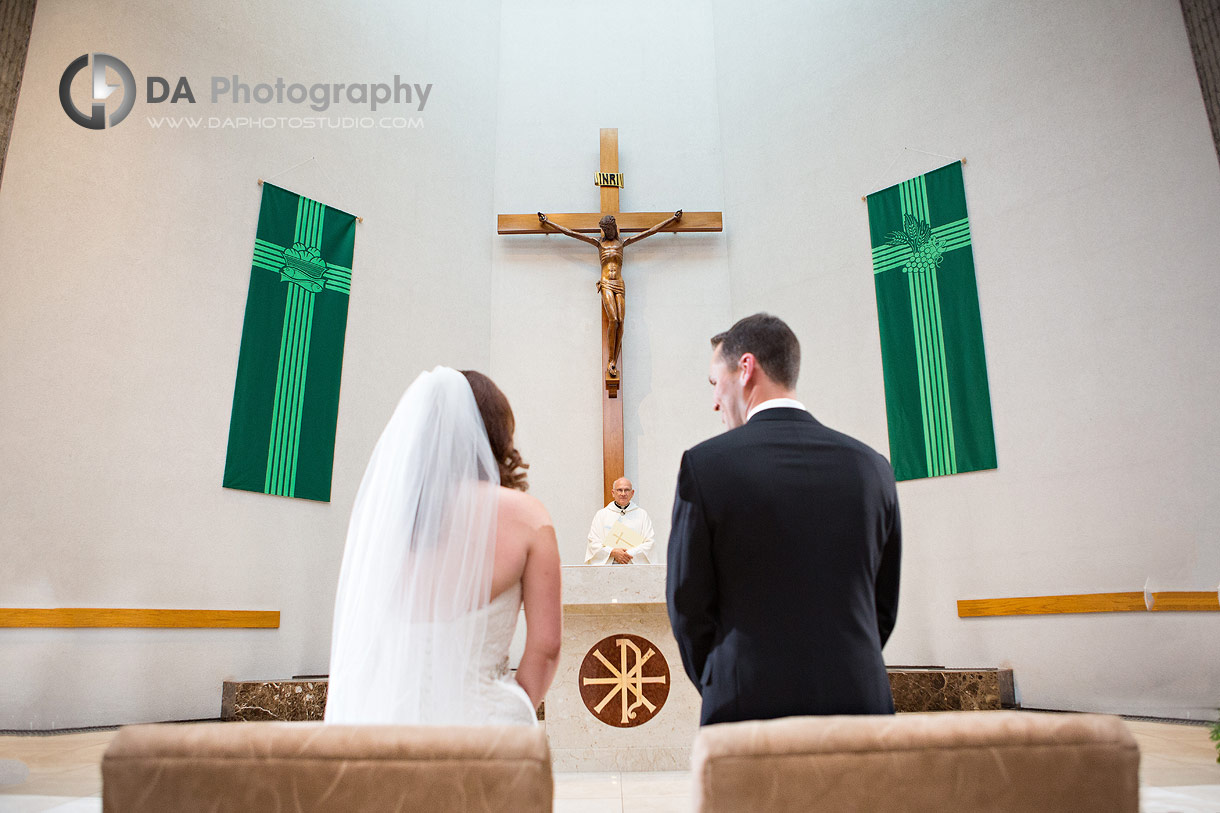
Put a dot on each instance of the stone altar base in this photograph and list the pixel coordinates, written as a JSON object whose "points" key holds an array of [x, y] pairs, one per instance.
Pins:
{"points": [[915, 688], [621, 700]]}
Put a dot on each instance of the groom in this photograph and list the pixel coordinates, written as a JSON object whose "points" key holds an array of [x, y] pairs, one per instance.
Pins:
{"points": [[784, 549]]}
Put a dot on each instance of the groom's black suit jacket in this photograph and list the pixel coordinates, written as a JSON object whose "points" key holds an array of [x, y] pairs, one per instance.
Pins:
{"points": [[783, 570]]}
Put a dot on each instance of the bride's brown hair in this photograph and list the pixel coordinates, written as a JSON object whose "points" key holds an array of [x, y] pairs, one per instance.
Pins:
{"points": [[500, 425]]}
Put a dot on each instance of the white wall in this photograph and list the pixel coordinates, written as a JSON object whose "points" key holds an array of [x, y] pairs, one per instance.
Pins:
{"points": [[123, 271], [1093, 189]]}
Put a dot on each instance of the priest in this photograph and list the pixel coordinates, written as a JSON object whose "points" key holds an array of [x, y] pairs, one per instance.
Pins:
{"points": [[621, 532]]}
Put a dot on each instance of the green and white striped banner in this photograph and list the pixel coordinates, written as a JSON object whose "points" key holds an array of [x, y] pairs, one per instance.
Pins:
{"points": [[936, 396], [286, 401]]}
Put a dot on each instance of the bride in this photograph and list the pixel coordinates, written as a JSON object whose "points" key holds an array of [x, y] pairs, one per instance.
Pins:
{"points": [[443, 546]]}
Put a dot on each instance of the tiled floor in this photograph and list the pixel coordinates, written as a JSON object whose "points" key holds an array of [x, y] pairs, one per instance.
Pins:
{"points": [[60, 773], [1178, 768], [1178, 774]]}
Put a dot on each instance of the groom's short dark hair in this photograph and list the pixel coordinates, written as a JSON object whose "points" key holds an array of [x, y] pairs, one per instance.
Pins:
{"points": [[771, 341]]}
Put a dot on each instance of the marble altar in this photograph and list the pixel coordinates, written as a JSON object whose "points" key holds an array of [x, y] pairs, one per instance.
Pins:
{"points": [[615, 601]]}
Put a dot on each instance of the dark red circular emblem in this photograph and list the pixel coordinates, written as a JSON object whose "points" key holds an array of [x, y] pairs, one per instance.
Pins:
{"points": [[624, 680]]}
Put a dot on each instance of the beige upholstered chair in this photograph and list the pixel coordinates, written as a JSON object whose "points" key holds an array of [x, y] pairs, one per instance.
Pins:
{"points": [[969, 760], [286, 767]]}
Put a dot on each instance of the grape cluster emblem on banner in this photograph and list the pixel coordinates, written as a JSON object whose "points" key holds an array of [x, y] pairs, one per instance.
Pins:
{"points": [[937, 400]]}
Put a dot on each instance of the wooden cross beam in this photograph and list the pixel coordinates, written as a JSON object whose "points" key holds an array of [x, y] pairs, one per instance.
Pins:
{"points": [[627, 222], [610, 180]]}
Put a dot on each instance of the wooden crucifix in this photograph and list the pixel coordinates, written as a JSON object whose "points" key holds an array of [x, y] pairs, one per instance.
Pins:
{"points": [[610, 223]]}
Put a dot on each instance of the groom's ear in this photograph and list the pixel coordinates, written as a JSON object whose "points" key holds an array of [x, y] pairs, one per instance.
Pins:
{"points": [[747, 366]]}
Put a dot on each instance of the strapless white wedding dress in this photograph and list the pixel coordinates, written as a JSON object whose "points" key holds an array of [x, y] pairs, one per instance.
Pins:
{"points": [[497, 697], [414, 639]]}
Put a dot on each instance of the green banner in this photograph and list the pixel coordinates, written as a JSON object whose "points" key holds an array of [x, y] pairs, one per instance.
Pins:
{"points": [[286, 401], [936, 396]]}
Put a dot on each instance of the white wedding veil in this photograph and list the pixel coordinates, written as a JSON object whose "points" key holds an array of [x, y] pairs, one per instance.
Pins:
{"points": [[408, 627]]}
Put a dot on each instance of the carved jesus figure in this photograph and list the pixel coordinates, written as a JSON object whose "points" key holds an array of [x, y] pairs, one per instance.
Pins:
{"points": [[611, 287]]}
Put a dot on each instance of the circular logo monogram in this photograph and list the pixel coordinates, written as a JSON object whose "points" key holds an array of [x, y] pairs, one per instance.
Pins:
{"points": [[624, 680], [102, 89]]}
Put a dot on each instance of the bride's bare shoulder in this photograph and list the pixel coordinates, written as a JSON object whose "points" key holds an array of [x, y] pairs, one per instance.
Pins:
{"points": [[524, 509]]}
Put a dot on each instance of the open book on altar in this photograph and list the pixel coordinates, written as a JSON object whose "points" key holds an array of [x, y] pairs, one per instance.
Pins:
{"points": [[620, 536]]}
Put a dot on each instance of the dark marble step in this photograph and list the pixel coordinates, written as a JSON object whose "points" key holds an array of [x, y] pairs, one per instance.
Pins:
{"points": [[935, 688]]}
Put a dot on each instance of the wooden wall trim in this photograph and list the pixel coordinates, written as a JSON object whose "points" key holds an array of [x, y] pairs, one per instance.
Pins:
{"points": [[1183, 600], [1164, 601], [117, 617]]}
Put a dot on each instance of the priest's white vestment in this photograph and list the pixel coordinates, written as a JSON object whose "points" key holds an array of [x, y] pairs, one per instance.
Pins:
{"points": [[634, 517]]}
